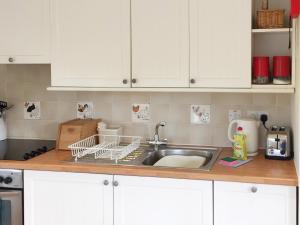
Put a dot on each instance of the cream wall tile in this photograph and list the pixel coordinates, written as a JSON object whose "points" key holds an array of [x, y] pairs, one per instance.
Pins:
{"points": [[136, 129], [103, 110], [264, 100], [191, 98], [14, 91], [3, 82], [160, 112], [66, 111], [16, 112], [177, 134], [200, 135], [220, 136], [219, 114], [160, 98], [34, 128], [232, 99], [140, 98], [103, 97], [283, 100], [63, 95], [29, 82], [49, 110], [38, 74], [180, 114], [121, 112], [49, 129], [16, 128], [16, 73]]}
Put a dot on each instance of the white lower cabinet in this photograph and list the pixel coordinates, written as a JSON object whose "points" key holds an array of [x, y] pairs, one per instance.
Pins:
{"points": [[58, 198], [254, 204], [161, 201], [52, 198]]}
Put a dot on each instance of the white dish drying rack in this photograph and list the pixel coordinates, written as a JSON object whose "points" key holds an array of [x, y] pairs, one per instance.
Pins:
{"points": [[113, 147]]}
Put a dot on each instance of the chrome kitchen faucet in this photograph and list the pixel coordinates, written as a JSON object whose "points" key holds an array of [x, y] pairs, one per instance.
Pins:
{"points": [[156, 142]]}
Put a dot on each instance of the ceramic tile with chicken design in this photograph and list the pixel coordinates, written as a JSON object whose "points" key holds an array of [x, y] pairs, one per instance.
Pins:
{"points": [[32, 110], [140, 113], [85, 110], [200, 114]]}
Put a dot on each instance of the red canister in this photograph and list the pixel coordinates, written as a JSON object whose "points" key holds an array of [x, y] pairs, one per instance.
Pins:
{"points": [[281, 66], [261, 69]]}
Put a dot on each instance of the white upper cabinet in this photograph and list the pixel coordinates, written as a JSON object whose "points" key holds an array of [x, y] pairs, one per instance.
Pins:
{"points": [[254, 204], [162, 201], [91, 43], [160, 43], [54, 198], [25, 31], [220, 37]]}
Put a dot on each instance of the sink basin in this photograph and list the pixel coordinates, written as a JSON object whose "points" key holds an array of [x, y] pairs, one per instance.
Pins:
{"points": [[210, 155]]}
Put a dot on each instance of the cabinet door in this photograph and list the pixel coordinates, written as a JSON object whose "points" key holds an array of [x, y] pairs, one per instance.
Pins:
{"points": [[220, 43], [91, 43], [160, 43], [25, 31], [52, 198], [249, 204], [162, 201]]}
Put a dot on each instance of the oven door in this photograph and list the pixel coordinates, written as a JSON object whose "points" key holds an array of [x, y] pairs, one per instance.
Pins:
{"points": [[11, 207]]}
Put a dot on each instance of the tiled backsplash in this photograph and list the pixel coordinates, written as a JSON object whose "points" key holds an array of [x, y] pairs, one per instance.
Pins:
{"points": [[20, 83]]}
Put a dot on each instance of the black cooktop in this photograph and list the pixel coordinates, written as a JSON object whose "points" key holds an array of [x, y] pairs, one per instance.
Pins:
{"points": [[24, 149]]}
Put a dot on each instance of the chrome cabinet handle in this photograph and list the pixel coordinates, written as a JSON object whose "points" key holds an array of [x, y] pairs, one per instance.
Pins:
{"points": [[11, 59], [116, 183], [193, 81], [125, 81], [106, 182], [254, 189], [134, 81]]}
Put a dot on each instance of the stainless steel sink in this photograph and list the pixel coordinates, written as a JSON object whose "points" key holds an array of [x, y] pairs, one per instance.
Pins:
{"points": [[146, 156], [210, 155]]}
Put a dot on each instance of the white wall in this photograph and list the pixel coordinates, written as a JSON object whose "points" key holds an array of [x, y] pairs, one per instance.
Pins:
{"points": [[296, 105]]}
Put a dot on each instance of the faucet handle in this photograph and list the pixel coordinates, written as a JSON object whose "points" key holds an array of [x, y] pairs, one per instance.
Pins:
{"points": [[163, 123], [164, 140]]}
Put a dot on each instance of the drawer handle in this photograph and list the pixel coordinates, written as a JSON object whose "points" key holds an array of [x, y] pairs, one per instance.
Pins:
{"points": [[254, 189], [116, 183], [11, 59], [106, 182]]}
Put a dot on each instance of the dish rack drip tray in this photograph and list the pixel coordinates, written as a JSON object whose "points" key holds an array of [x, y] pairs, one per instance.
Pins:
{"points": [[113, 147]]}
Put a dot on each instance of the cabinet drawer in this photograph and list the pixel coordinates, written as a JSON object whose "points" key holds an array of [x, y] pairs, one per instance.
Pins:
{"points": [[269, 204]]}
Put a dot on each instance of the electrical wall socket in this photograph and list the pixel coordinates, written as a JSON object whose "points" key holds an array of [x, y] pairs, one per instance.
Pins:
{"points": [[234, 114], [256, 114]]}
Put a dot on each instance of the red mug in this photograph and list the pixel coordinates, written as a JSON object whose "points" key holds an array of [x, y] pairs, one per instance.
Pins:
{"points": [[261, 66], [281, 66]]}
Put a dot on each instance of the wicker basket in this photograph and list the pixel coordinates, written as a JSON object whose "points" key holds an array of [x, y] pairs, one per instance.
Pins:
{"points": [[270, 18]]}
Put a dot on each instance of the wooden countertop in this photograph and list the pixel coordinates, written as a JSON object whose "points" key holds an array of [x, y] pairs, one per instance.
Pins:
{"points": [[259, 170]]}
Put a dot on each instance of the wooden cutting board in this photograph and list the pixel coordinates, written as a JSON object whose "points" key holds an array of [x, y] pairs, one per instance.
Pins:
{"points": [[75, 130]]}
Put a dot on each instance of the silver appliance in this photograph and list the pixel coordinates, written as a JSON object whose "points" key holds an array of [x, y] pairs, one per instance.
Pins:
{"points": [[11, 197], [279, 144]]}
